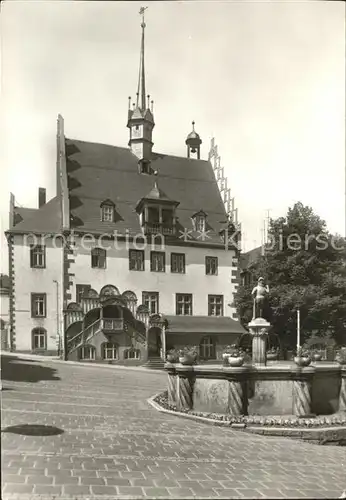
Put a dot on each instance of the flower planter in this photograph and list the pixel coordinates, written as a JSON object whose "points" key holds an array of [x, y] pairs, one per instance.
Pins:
{"points": [[340, 359], [272, 356], [302, 361], [171, 358], [316, 356], [186, 359], [235, 361]]}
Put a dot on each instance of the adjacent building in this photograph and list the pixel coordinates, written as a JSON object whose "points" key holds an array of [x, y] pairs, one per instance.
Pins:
{"points": [[4, 310], [137, 252]]}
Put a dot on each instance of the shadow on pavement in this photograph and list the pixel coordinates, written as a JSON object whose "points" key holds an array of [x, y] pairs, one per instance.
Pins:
{"points": [[33, 430], [20, 370]]}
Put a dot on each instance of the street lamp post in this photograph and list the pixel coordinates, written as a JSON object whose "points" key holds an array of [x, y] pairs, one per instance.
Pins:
{"points": [[60, 353]]}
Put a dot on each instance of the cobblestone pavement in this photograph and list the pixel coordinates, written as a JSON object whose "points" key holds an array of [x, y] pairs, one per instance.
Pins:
{"points": [[113, 444]]}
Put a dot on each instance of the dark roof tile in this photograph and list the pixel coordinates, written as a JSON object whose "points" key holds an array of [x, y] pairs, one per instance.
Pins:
{"points": [[98, 172], [46, 219], [203, 324]]}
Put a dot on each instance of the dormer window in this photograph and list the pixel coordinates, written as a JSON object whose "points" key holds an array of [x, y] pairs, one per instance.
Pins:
{"points": [[157, 212], [107, 211], [199, 221], [144, 167]]}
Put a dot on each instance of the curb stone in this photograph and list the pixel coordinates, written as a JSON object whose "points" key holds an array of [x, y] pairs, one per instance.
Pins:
{"points": [[320, 435], [210, 421]]}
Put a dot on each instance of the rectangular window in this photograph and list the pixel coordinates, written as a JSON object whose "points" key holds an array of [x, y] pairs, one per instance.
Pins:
{"points": [[200, 223], [167, 217], [87, 352], [107, 213], [211, 265], [80, 291], [136, 260], [132, 354], [110, 351], [178, 263], [151, 301], [207, 348], [98, 258], [38, 305], [158, 261], [153, 215], [37, 256], [184, 304], [215, 305]]}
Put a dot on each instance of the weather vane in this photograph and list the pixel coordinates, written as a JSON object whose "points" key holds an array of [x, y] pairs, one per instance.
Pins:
{"points": [[141, 11]]}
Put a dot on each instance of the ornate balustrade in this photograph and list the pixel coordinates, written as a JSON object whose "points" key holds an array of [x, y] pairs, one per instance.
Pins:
{"points": [[112, 325], [88, 303], [158, 228]]}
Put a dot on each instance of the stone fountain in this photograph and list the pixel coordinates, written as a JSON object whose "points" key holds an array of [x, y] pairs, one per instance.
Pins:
{"points": [[257, 388]]}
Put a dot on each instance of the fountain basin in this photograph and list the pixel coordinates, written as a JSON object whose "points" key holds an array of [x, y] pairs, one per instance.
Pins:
{"points": [[276, 389]]}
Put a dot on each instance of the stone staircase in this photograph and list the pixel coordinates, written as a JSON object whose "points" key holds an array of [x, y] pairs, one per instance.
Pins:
{"points": [[83, 337], [154, 363]]}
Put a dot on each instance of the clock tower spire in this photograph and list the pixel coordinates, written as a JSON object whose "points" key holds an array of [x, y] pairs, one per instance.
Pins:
{"points": [[140, 117]]}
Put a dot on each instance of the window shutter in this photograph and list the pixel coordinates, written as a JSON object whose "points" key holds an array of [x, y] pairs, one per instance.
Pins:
{"points": [[32, 305]]}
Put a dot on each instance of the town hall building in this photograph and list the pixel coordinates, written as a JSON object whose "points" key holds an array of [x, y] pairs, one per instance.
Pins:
{"points": [[136, 254]]}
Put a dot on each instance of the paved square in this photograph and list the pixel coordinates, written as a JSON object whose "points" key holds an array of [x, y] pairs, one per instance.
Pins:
{"points": [[110, 443]]}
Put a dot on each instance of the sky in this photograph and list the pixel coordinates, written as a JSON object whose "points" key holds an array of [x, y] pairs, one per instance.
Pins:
{"points": [[266, 79]]}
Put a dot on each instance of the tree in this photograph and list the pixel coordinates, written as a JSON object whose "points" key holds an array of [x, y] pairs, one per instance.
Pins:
{"points": [[305, 267]]}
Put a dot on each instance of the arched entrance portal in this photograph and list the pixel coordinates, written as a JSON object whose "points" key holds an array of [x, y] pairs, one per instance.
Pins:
{"points": [[154, 341]]}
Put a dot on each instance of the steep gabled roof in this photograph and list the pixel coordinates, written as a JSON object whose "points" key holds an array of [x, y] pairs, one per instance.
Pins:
{"points": [[46, 219], [98, 171]]}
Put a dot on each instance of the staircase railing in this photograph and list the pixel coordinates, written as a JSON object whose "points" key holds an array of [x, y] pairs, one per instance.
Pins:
{"points": [[84, 336]]}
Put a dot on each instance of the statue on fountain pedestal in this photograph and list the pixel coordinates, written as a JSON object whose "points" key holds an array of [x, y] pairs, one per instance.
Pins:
{"points": [[260, 295]]}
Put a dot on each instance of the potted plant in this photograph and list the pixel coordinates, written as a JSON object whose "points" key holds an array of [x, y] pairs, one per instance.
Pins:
{"points": [[341, 356], [194, 352], [316, 355], [226, 353], [187, 355], [236, 356], [273, 354], [302, 357], [172, 356]]}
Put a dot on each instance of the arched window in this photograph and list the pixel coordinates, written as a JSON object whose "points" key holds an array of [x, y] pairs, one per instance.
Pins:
{"points": [[107, 211], [87, 352], [109, 351], [132, 353], [39, 339], [207, 348]]}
